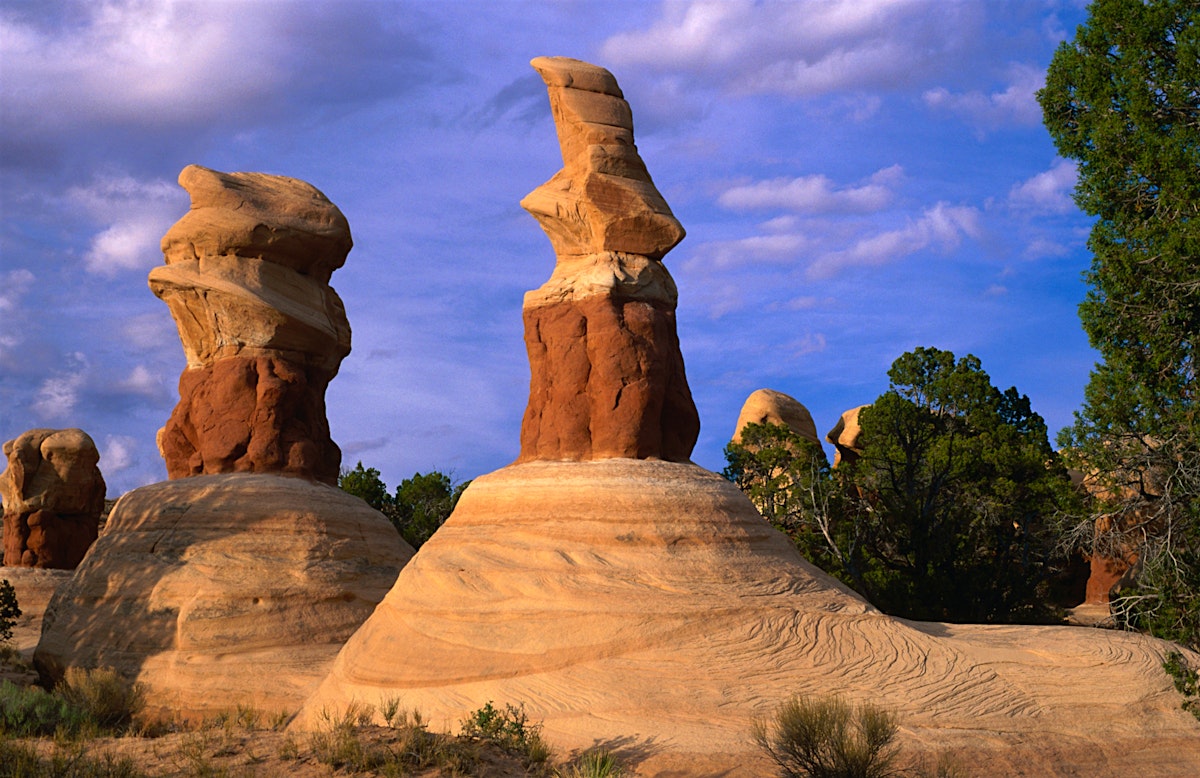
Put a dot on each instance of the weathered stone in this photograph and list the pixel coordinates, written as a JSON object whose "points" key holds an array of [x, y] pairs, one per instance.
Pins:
{"points": [[846, 437], [607, 375], [247, 281], [53, 496], [223, 590], [767, 406]]}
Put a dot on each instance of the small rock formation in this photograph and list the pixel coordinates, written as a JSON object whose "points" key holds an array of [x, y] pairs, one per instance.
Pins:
{"points": [[846, 437], [645, 605], [767, 406], [53, 497], [236, 585], [607, 377], [247, 281]]}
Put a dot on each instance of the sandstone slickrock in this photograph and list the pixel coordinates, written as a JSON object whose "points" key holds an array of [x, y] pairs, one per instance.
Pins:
{"points": [[53, 497], [767, 406], [607, 377], [644, 606], [237, 581], [247, 281], [222, 590], [846, 437]]}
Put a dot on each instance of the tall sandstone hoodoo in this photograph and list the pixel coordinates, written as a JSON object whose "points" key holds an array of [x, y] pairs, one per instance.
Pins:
{"points": [[53, 497], [237, 581], [247, 281], [607, 376], [642, 604]]}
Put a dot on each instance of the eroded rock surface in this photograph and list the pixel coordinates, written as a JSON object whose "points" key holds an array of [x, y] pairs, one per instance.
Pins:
{"points": [[607, 375], [247, 282], [53, 497], [767, 406], [846, 437]]}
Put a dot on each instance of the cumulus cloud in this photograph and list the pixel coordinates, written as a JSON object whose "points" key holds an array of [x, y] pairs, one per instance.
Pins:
{"points": [[1016, 104], [141, 381], [941, 227], [814, 194], [137, 214], [13, 286], [119, 453], [1048, 191], [755, 249], [799, 48]]}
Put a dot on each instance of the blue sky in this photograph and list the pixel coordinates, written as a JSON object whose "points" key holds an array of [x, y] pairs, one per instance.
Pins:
{"points": [[856, 177]]}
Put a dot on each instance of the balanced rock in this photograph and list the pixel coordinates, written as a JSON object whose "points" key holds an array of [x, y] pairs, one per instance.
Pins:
{"points": [[767, 406], [53, 497], [607, 377], [645, 606], [846, 437], [216, 591], [247, 281]]}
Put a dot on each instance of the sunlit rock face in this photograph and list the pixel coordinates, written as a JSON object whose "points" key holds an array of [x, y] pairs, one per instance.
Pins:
{"points": [[767, 406], [607, 376], [53, 497], [846, 437], [247, 281]]}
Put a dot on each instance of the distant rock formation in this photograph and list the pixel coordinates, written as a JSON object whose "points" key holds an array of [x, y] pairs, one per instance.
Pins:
{"points": [[53, 496], [767, 406], [846, 437], [607, 377], [247, 281]]}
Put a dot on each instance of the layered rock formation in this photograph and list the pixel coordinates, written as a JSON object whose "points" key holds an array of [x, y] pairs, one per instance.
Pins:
{"points": [[644, 605], [247, 281], [767, 406], [846, 437], [53, 497], [607, 376], [236, 582]]}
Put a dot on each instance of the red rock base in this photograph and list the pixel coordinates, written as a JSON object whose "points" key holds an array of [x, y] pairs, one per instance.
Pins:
{"points": [[45, 539], [607, 380], [251, 415]]}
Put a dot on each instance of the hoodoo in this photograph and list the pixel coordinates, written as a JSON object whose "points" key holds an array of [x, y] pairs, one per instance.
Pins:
{"points": [[237, 581], [630, 599]]}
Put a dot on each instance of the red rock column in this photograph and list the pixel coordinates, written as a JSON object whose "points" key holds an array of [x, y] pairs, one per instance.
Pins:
{"points": [[607, 375]]}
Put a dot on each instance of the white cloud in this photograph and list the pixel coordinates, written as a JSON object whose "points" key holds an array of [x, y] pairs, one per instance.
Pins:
{"points": [[119, 453], [13, 286], [942, 227], [1016, 104], [57, 397], [143, 382], [798, 48], [145, 59], [756, 249], [1049, 191], [137, 214], [814, 194]]}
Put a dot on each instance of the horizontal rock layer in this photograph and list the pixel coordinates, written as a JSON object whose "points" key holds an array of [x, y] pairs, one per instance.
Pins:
{"points": [[645, 605], [216, 591]]}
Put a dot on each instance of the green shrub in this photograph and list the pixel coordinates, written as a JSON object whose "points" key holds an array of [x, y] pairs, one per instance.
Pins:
{"points": [[108, 700], [824, 737], [509, 729], [21, 760], [33, 712], [9, 610], [1187, 681], [594, 764]]}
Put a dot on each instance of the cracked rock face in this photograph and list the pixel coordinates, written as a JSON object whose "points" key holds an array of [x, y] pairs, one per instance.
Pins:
{"points": [[247, 281], [607, 375]]}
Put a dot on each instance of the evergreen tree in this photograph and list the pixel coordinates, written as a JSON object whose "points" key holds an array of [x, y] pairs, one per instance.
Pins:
{"points": [[1123, 100]]}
